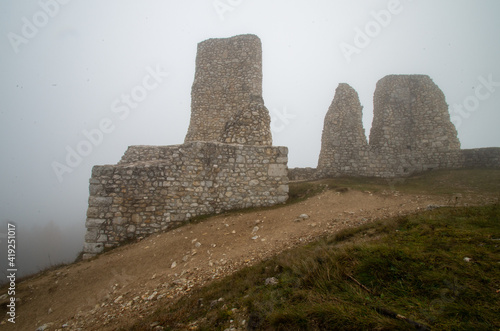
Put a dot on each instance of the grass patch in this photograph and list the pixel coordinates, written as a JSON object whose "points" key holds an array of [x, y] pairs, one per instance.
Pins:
{"points": [[410, 266], [437, 182]]}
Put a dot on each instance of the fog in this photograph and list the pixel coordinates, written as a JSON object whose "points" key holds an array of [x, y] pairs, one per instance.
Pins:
{"points": [[67, 67]]}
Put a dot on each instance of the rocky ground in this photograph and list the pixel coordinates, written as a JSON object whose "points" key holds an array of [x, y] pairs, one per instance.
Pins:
{"points": [[128, 283]]}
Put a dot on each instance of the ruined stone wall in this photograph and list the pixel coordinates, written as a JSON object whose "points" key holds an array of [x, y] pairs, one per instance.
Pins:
{"points": [[227, 161], [226, 96], [298, 174], [344, 150], [411, 128], [154, 188], [411, 131], [481, 158], [477, 158]]}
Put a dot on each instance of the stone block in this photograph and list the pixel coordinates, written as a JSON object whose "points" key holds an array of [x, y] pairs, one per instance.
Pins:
{"points": [[91, 235], [92, 212], [277, 170], [102, 238], [100, 201], [94, 222], [96, 189], [93, 248], [283, 189], [119, 220]]}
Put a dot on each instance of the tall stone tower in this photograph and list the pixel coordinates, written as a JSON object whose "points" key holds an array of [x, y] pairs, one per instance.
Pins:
{"points": [[343, 142], [226, 96], [411, 116]]}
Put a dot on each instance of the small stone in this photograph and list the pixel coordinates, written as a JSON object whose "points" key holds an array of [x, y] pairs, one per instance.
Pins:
{"points": [[255, 237], [44, 327], [197, 245], [271, 281], [255, 229], [304, 216], [467, 259], [174, 264], [152, 296]]}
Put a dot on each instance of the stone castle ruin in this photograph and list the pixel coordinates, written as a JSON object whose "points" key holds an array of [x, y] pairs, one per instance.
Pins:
{"points": [[226, 98], [343, 144], [411, 132], [226, 162]]}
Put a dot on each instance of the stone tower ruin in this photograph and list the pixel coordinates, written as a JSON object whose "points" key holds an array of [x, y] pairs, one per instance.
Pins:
{"points": [[411, 123], [226, 97], [226, 162], [411, 131], [343, 142]]}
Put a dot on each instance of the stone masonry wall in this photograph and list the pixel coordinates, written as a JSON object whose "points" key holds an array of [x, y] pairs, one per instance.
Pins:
{"points": [[298, 174], [343, 142], [481, 157], [226, 162], [156, 188], [411, 131], [226, 97], [411, 128]]}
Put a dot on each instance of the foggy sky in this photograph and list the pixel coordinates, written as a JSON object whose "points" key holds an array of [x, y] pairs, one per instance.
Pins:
{"points": [[67, 68]]}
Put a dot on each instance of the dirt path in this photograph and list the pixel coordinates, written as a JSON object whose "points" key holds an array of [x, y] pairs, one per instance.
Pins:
{"points": [[127, 283]]}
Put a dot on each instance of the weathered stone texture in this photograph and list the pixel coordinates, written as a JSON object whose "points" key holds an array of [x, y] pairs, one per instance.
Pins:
{"points": [[411, 131], [154, 188], [227, 161], [411, 125], [298, 174], [481, 157], [411, 115], [226, 97], [343, 142]]}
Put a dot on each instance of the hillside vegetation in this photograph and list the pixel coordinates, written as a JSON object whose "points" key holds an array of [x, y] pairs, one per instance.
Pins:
{"points": [[438, 269], [343, 253]]}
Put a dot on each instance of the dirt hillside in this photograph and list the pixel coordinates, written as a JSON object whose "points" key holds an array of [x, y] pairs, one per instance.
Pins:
{"points": [[130, 282]]}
